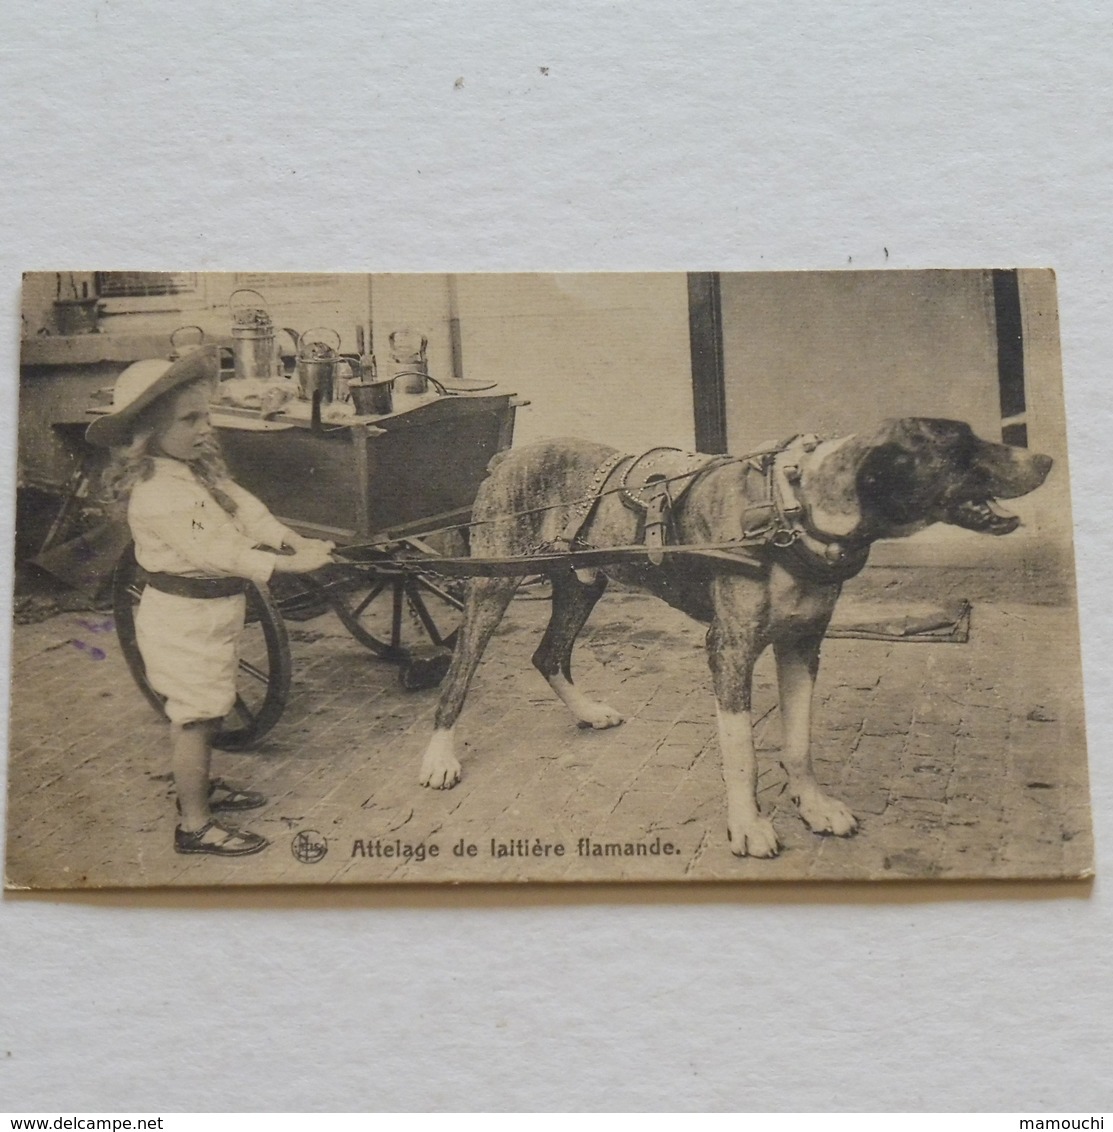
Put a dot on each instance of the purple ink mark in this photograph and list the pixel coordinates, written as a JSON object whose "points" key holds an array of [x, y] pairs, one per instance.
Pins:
{"points": [[92, 651], [105, 626]]}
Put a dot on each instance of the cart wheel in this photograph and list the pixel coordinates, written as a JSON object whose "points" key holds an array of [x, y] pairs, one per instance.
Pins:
{"points": [[400, 616], [264, 677]]}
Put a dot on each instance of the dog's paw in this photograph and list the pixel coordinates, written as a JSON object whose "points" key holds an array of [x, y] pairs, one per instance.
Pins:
{"points": [[599, 716], [439, 774], [588, 712], [754, 838], [825, 814], [439, 767]]}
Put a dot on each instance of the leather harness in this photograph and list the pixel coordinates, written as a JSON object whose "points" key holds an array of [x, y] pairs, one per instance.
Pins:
{"points": [[775, 524]]}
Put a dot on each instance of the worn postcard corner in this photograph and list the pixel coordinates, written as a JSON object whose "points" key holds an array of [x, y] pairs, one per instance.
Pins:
{"points": [[360, 579]]}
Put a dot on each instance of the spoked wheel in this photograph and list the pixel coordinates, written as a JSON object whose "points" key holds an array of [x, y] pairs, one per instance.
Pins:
{"points": [[263, 685], [400, 615]]}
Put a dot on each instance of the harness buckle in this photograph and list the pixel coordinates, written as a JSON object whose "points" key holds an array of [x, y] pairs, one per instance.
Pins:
{"points": [[783, 537]]}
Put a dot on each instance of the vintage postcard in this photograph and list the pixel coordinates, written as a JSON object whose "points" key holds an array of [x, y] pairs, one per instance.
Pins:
{"points": [[361, 579]]}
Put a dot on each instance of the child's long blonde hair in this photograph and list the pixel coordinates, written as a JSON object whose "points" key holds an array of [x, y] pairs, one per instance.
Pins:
{"points": [[133, 463]]}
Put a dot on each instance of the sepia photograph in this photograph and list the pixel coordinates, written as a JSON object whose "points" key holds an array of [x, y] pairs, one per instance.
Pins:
{"points": [[558, 561], [343, 579]]}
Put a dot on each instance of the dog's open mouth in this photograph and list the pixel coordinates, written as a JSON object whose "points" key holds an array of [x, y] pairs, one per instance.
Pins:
{"points": [[983, 515]]}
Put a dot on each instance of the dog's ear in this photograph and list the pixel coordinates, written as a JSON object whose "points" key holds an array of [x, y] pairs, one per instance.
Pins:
{"points": [[889, 485]]}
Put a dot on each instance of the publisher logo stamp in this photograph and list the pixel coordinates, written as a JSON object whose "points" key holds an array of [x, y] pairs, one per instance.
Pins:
{"points": [[309, 846]]}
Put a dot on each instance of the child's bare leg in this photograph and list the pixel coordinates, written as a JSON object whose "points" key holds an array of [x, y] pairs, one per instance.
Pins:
{"points": [[190, 758]]}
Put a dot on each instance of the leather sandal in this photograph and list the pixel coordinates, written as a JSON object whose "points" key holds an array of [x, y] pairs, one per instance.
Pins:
{"points": [[224, 796], [216, 839]]}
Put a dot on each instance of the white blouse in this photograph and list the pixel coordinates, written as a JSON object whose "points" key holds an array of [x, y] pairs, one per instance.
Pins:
{"points": [[179, 528]]}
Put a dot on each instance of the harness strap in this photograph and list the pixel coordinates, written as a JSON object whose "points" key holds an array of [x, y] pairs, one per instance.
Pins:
{"points": [[735, 554], [658, 505], [587, 504]]}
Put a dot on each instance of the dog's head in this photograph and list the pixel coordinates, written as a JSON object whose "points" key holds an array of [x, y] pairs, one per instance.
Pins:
{"points": [[917, 470]]}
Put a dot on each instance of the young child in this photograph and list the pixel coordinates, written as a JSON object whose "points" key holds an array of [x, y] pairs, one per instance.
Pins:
{"points": [[197, 536]]}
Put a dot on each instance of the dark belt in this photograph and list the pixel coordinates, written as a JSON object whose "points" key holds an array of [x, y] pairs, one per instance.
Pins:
{"points": [[181, 586]]}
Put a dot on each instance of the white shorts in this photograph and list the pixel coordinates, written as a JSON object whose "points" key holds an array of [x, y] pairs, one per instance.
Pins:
{"points": [[189, 648]]}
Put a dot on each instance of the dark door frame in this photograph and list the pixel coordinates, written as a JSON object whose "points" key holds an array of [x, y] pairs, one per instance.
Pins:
{"points": [[709, 392], [1010, 357]]}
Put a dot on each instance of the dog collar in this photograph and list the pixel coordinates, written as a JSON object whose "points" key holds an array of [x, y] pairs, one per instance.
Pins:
{"points": [[811, 550]]}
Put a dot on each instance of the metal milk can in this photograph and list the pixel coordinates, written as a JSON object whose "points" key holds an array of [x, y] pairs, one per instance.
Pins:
{"points": [[253, 349], [317, 364], [411, 368]]}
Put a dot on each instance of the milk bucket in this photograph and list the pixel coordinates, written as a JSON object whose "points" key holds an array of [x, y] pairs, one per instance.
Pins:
{"points": [[317, 364], [252, 336]]}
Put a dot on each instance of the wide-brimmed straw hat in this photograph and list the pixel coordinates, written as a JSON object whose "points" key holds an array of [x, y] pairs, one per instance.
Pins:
{"points": [[143, 383]]}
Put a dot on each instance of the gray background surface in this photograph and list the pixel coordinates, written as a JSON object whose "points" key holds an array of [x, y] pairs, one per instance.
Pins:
{"points": [[427, 137]]}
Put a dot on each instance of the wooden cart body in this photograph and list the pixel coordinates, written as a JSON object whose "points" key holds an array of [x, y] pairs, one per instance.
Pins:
{"points": [[414, 470]]}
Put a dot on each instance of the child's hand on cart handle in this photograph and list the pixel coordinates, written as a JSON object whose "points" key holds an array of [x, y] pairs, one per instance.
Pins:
{"points": [[301, 542], [309, 554]]}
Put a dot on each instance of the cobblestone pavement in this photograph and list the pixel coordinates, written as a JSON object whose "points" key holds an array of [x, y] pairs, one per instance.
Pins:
{"points": [[959, 760]]}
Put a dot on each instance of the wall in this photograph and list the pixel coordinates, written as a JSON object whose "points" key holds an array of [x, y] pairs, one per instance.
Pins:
{"points": [[299, 301], [604, 356], [825, 351], [419, 303]]}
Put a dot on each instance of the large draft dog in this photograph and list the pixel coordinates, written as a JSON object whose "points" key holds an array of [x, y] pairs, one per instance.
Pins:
{"points": [[780, 532]]}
